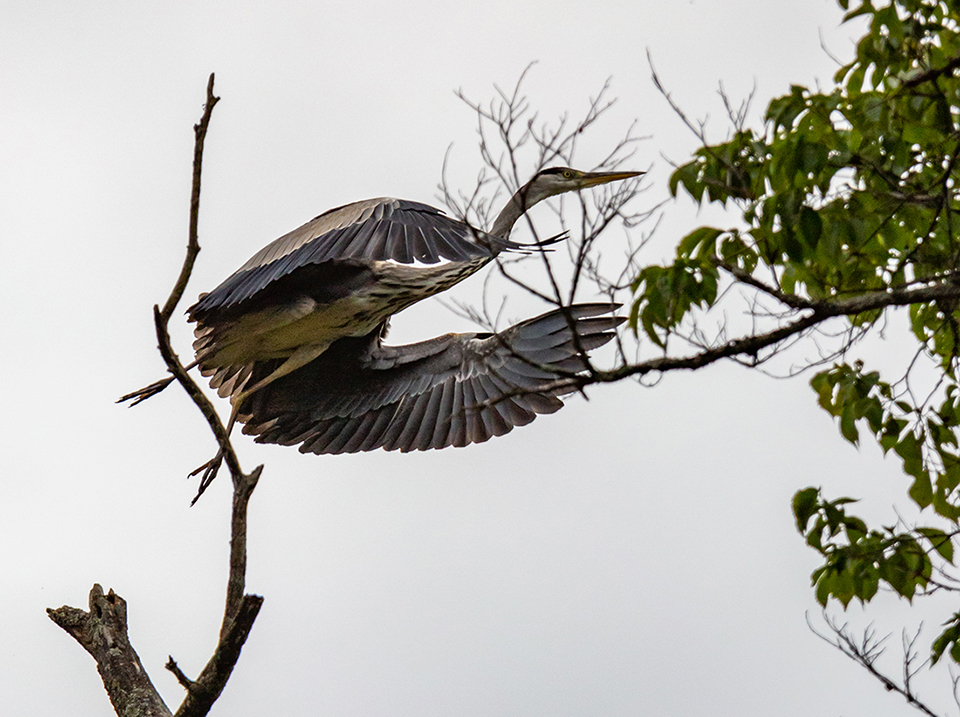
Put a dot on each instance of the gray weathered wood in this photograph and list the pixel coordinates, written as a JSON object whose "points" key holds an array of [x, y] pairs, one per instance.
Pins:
{"points": [[103, 633]]}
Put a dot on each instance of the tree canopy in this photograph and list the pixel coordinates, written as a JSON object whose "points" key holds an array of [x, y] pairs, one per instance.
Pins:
{"points": [[847, 207]]}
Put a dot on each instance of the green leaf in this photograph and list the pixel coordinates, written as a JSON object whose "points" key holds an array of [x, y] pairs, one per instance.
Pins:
{"points": [[908, 448], [805, 504], [697, 238], [848, 424], [811, 227], [950, 636], [939, 541], [824, 588], [841, 194], [922, 491], [689, 176]]}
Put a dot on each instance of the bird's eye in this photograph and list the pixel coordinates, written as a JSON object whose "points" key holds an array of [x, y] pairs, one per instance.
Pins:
{"points": [[567, 174]]}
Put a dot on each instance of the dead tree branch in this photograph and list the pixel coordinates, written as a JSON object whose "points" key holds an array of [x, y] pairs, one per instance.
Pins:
{"points": [[514, 145], [103, 630], [202, 693]]}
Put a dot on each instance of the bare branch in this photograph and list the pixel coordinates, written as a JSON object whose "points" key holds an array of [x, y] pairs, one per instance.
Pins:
{"points": [[102, 631], [751, 345], [208, 686], [238, 546], [865, 653], [193, 246]]}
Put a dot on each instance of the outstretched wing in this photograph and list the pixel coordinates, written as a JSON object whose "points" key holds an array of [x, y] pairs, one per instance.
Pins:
{"points": [[381, 229], [450, 391]]}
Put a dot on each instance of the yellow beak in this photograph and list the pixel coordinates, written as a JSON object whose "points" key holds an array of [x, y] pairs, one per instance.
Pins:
{"points": [[592, 179]]}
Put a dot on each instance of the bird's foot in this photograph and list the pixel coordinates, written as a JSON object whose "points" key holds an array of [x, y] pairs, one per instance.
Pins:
{"points": [[146, 392], [208, 472]]}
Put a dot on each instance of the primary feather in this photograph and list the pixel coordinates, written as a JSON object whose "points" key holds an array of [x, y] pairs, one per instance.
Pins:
{"points": [[452, 390]]}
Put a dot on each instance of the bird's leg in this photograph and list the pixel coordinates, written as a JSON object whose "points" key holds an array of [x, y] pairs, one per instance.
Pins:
{"points": [[301, 357]]}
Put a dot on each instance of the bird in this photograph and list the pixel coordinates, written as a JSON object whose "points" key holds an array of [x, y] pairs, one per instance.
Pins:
{"points": [[295, 337]]}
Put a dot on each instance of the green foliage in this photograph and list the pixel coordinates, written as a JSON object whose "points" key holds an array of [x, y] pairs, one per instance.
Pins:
{"points": [[671, 292], [925, 441], [842, 192], [849, 192], [851, 395], [857, 560], [949, 637]]}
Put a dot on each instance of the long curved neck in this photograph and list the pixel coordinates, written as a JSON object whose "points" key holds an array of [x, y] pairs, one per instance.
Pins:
{"points": [[519, 204]]}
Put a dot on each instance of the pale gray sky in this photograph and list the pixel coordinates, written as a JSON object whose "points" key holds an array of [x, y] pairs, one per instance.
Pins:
{"points": [[631, 555]]}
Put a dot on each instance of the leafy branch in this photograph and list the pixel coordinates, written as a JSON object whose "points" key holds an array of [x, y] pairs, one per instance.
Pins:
{"points": [[846, 206]]}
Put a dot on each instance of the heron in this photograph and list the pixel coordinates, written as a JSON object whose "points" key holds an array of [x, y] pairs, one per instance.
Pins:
{"points": [[295, 337]]}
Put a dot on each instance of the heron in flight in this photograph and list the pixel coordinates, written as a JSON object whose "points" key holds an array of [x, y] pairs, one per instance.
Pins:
{"points": [[295, 336]]}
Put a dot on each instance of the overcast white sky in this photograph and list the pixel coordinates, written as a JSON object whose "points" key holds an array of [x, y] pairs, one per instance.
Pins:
{"points": [[631, 555]]}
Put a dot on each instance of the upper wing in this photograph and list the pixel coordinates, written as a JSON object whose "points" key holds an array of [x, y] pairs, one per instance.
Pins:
{"points": [[373, 230], [450, 391]]}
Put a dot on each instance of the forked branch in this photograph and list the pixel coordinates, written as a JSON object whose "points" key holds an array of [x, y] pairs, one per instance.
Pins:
{"points": [[102, 630], [868, 649]]}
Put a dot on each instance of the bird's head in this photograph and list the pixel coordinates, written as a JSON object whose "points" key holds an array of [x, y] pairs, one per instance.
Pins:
{"points": [[548, 183], [557, 180]]}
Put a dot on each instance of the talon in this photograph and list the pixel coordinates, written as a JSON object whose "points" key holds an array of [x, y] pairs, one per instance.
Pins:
{"points": [[146, 392], [210, 470]]}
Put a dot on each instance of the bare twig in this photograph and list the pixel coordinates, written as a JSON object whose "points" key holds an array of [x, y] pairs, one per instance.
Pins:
{"points": [[865, 653], [193, 245], [184, 681], [512, 137], [745, 277]]}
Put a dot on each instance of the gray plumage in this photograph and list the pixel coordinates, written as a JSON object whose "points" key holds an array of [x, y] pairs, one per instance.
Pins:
{"points": [[453, 390], [383, 229], [316, 294]]}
